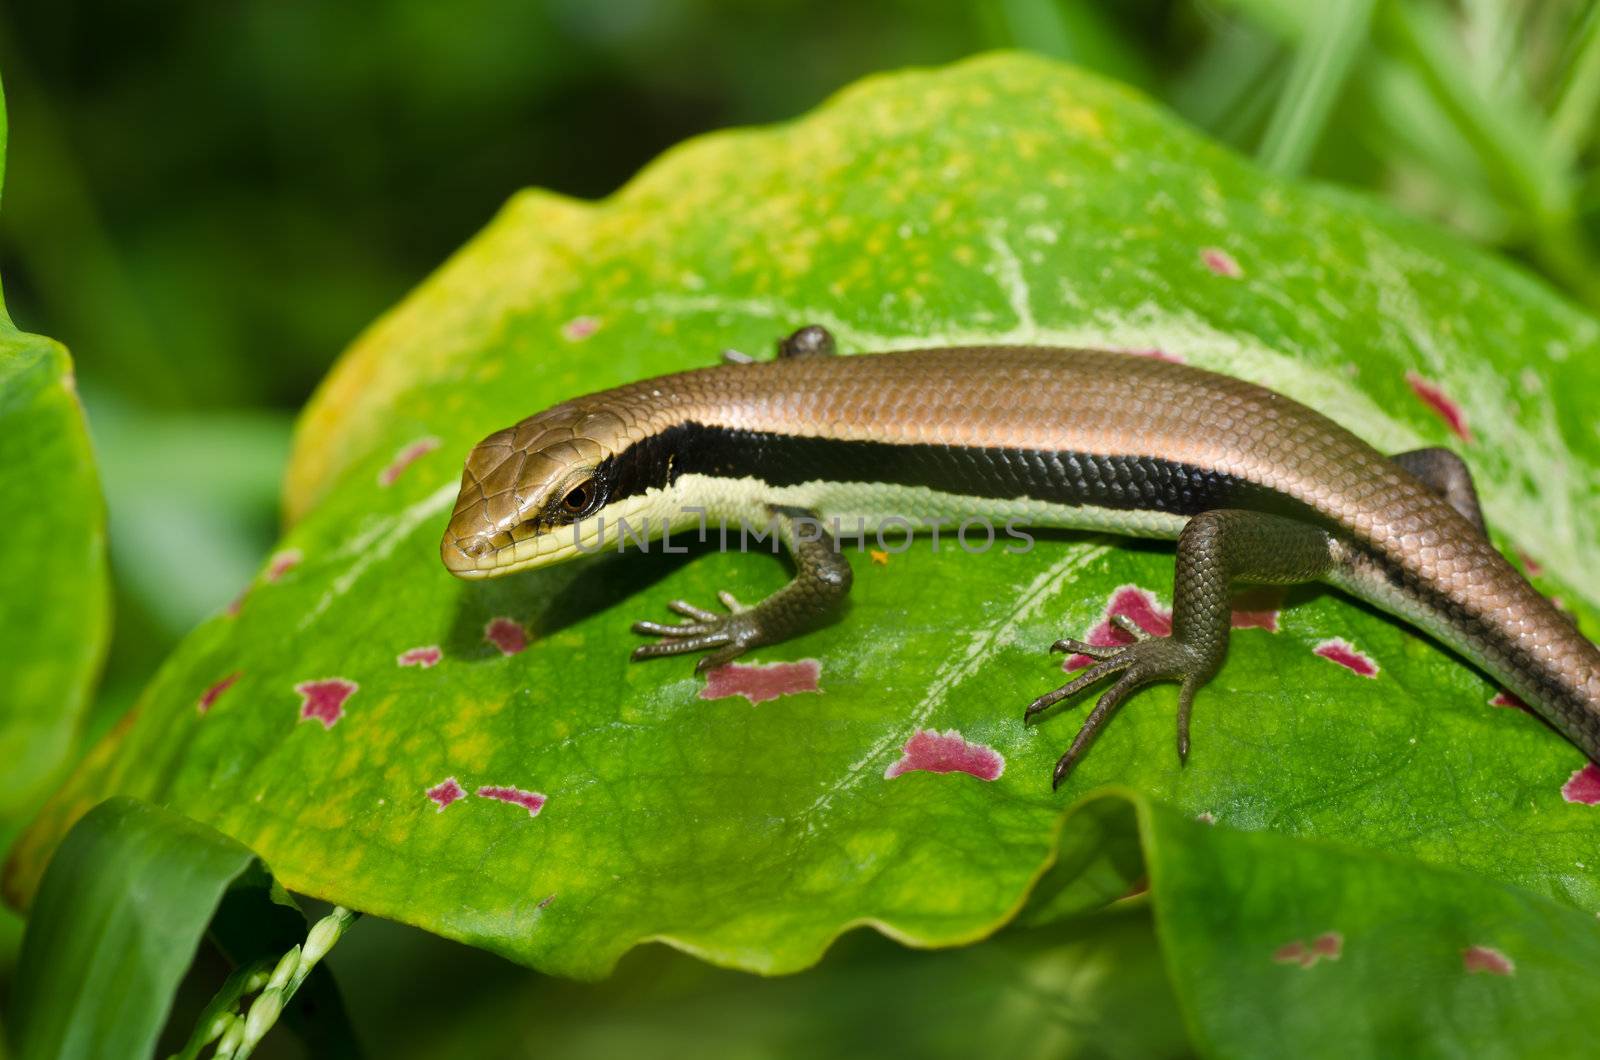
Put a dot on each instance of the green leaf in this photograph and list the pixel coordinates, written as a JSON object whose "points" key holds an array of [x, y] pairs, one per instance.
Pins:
{"points": [[1093, 987], [1003, 199], [119, 916], [1274, 946], [1358, 953], [53, 581]]}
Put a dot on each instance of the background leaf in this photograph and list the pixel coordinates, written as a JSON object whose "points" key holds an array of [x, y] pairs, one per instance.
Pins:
{"points": [[1282, 947], [1004, 199], [54, 608], [119, 917], [1089, 987], [53, 600], [53, 613], [1275, 947]]}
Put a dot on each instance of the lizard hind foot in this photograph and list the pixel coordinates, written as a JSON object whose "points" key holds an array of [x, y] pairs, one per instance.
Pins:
{"points": [[1135, 665]]}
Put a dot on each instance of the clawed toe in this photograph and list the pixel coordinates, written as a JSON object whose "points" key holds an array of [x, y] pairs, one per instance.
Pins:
{"points": [[721, 657], [688, 610], [680, 645], [1090, 676], [1071, 646], [662, 629], [1130, 627]]}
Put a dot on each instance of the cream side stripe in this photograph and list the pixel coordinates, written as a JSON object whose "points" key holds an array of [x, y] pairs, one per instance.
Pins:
{"points": [[869, 505]]}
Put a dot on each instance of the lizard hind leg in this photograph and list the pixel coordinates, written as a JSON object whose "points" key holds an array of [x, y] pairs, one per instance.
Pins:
{"points": [[1216, 549], [1447, 475]]}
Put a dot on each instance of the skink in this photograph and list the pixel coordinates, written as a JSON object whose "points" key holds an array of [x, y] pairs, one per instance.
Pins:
{"points": [[1253, 486]]}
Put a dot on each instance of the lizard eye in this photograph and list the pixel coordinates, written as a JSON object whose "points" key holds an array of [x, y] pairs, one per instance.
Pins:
{"points": [[577, 498]]}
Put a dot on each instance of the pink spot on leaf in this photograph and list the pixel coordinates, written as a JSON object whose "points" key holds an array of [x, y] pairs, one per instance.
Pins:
{"points": [[762, 682], [1529, 564], [1341, 651], [445, 792], [278, 565], [1206, 817], [209, 697], [1510, 700], [1440, 402], [506, 634], [1488, 960], [408, 455], [1221, 262], [1294, 953], [324, 700], [427, 657], [1257, 608], [532, 801], [1133, 603], [282, 563], [1328, 946], [946, 752], [1583, 786], [579, 328]]}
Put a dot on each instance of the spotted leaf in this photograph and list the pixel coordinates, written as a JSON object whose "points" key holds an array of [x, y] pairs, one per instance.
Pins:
{"points": [[595, 803]]}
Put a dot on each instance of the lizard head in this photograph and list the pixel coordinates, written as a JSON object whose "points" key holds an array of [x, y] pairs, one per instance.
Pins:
{"points": [[528, 492]]}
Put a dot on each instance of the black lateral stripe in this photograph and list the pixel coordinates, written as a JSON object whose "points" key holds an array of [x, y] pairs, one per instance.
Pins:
{"points": [[1127, 483]]}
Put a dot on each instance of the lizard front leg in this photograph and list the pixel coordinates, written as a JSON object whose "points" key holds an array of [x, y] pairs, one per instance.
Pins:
{"points": [[821, 580], [813, 340], [1215, 550]]}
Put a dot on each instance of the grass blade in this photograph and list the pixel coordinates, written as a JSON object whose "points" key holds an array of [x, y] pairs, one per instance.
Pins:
{"points": [[1322, 64], [1572, 122]]}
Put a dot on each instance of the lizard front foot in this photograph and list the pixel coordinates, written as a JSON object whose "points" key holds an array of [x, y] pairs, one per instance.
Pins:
{"points": [[821, 580], [726, 636]]}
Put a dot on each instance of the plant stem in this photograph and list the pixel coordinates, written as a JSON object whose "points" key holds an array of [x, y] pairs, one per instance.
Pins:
{"points": [[238, 1034]]}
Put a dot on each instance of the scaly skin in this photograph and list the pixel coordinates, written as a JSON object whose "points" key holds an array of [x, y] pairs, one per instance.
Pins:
{"points": [[1255, 487]]}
